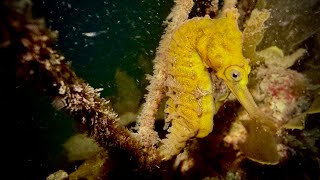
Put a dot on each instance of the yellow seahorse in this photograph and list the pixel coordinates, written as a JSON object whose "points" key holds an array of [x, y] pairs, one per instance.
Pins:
{"points": [[199, 46]]}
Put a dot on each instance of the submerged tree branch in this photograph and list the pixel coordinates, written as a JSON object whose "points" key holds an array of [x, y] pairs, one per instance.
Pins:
{"points": [[28, 43]]}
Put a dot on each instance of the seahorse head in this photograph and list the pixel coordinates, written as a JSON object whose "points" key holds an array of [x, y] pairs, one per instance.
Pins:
{"points": [[220, 48]]}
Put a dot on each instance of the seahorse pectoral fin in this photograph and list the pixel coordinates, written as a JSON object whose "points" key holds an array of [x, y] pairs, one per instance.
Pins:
{"points": [[260, 145], [219, 100]]}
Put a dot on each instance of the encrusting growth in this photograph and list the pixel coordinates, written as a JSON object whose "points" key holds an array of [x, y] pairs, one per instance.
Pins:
{"points": [[156, 89]]}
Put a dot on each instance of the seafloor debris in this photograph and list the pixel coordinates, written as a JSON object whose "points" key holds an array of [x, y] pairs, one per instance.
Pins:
{"points": [[58, 175], [81, 147]]}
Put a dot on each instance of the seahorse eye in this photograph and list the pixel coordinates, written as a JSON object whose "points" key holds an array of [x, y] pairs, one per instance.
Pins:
{"points": [[233, 73]]}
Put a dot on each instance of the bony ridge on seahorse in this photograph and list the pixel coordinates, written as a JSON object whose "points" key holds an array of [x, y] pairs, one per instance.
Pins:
{"points": [[199, 46]]}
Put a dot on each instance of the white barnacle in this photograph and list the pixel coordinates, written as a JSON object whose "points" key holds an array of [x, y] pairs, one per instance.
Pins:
{"points": [[199, 92], [63, 87], [199, 110]]}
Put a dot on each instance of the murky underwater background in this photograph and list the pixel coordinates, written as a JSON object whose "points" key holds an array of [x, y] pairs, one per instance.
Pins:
{"points": [[97, 37]]}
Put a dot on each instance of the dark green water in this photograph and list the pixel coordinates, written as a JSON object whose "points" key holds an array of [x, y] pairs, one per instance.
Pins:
{"points": [[124, 32]]}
